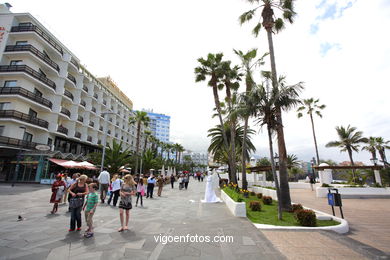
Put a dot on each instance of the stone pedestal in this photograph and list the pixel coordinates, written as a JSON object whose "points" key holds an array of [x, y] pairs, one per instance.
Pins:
{"points": [[378, 177], [325, 176]]}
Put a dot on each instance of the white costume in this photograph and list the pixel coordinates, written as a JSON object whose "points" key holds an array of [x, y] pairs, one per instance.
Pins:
{"points": [[211, 184]]}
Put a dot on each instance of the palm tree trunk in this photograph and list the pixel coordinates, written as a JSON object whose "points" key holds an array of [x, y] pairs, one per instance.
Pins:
{"points": [[137, 145], [243, 155], [352, 163], [271, 151], [232, 150], [315, 139], [284, 188]]}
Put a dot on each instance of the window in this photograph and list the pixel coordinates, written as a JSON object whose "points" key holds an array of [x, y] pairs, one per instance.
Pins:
{"points": [[32, 113], [10, 83], [2, 130], [27, 137], [16, 62], [18, 43], [4, 105], [37, 92], [25, 24], [49, 142]]}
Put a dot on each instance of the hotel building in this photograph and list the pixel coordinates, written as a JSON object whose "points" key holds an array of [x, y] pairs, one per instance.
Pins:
{"points": [[48, 99]]}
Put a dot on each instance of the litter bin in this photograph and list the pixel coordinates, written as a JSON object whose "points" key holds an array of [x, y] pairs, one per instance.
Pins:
{"points": [[334, 200]]}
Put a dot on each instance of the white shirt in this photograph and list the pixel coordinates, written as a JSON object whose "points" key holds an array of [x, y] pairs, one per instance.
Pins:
{"points": [[70, 181], [116, 185], [104, 177]]}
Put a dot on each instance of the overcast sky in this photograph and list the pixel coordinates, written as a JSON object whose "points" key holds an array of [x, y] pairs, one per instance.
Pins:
{"points": [[339, 48]]}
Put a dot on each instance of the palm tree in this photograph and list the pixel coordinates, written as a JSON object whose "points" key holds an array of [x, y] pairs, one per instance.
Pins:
{"points": [[141, 119], [311, 106], [349, 140], [292, 161], [371, 146], [247, 65], [271, 25], [381, 146], [212, 67], [147, 136]]}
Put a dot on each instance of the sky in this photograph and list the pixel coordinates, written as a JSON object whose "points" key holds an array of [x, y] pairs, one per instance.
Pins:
{"points": [[338, 48]]}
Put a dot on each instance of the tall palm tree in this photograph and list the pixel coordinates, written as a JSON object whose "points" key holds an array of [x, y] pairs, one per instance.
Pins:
{"points": [[292, 161], [147, 136], [349, 140], [141, 119], [247, 64], [311, 106], [270, 24], [212, 68], [381, 146], [371, 146]]}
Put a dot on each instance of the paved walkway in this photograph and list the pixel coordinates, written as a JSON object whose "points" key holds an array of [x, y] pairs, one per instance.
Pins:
{"points": [[45, 236]]}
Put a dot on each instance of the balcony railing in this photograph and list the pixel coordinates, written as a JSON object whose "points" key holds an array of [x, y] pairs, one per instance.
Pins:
{"points": [[23, 117], [62, 129], [85, 89], [95, 96], [26, 69], [68, 94], [82, 102], [17, 142], [40, 32], [32, 49], [93, 109], [65, 111], [89, 138], [71, 78], [91, 124], [77, 135], [74, 62], [27, 94], [80, 119]]}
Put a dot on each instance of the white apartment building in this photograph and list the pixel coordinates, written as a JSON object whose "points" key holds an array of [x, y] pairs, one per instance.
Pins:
{"points": [[48, 98], [197, 158]]}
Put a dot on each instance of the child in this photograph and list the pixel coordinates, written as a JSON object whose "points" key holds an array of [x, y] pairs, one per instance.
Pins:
{"points": [[90, 208]]}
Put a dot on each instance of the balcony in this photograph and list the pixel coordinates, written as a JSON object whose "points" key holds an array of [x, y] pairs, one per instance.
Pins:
{"points": [[89, 138], [27, 94], [93, 109], [74, 62], [62, 129], [104, 102], [65, 111], [77, 135], [110, 119], [82, 102], [17, 142], [32, 49], [26, 69], [102, 116], [109, 132], [13, 114], [40, 32], [80, 119], [91, 124], [85, 89], [100, 128], [71, 78], [95, 96], [68, 94]]}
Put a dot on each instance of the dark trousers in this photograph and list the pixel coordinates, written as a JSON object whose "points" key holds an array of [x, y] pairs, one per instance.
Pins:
{"points": [[139, 196], [149, 192], [103, 192], [186, 184], [199, 178], [75, 217], [172, 182], [114, 194]]}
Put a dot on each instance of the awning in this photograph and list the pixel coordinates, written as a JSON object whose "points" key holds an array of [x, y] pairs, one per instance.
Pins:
{"points": [[73, 165]]}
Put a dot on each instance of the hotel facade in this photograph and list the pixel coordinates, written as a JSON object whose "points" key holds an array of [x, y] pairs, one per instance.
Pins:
{"points": [[49, 100]]}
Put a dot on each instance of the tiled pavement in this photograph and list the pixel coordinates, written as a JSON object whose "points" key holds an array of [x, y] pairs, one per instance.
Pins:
{"points": [[45, 236]]}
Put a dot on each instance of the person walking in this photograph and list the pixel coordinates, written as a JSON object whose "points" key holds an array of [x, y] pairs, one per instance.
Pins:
{"points": [[127, 190], [58, 188], [104, 180], [160, 184], [116, 184], [172, 180], [181, 182], [90, 208], [69, 183], [78, 190], [312, 181], [186, 180], [140, 190], [150, 188], [65, 178]]}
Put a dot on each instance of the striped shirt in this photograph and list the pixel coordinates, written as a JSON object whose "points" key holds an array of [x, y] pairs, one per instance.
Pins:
{"points": [[92, 200]]}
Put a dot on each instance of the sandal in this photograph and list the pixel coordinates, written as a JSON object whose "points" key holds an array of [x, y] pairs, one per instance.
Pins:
{"points": [[120, 230]]}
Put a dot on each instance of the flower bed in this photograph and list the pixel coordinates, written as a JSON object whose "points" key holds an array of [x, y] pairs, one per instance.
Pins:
{"points": [[238, 209]]}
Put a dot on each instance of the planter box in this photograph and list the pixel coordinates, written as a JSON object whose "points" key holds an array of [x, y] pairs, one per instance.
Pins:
{"points": [[321, 192], [266, 192], [238, 209]]}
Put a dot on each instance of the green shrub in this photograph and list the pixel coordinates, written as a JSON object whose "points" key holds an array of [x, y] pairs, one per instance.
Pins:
{"points": [[259, 195], [253, 193], [255, 205], [306, 217], [267, 200], [239, 199]]}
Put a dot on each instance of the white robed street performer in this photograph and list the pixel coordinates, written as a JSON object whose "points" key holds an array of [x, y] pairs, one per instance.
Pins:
{"points": [[211, 183]]}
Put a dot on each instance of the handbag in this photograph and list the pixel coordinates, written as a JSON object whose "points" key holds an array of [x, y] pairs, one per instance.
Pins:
{"points": [[76, 202]]}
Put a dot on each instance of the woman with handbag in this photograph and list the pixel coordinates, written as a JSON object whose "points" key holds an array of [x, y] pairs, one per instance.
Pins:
{"points": [[140, 190], [127, 190], [58, 189], [77, 190]]}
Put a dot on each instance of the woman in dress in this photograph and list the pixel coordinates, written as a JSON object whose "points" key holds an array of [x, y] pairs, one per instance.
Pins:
{"points": [[58, 189], [127, 190], [77, 190], [140, 190]]}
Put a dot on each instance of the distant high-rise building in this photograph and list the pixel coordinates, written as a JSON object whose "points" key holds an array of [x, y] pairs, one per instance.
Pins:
{"points": [[159, 125]]}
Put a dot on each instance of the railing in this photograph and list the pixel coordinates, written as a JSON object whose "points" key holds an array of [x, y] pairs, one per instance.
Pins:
{"points": [[74, 62], [89, 138], [17, 142], [93, 109], [85, 89], [39, 31], [29, 71], [91, 124], [77, 135], [82, 102], [95, 96], [68, 94], [65, 111], [80, 119], [71, 78], [23, 117], [27, 94], [32, 49], [62, 129]]}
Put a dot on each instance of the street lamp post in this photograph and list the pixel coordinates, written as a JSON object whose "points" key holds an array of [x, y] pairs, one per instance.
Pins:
{"points": [[313, 162], [104, 138]]}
